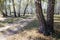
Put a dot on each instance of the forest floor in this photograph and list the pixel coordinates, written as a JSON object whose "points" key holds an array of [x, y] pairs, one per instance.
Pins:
{"points": [[10, 26], [30, 32], [26, 28]]}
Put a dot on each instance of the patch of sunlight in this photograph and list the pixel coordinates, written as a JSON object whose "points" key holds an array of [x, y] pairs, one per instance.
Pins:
{"points": [[3, 38], [22, 25], [4, 28], [57, 21], [2, 19]]}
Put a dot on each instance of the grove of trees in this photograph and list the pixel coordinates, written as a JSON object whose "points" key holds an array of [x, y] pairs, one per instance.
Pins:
{"points": [[46, 25], [14, 7]]}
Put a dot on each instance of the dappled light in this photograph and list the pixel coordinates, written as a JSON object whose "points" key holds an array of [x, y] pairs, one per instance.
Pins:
{"points": [[29, 20]]}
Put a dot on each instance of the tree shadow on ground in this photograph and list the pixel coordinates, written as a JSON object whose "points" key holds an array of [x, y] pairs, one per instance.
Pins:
{"points": [[57, 35], [15, 30], [57, 31], [34, 25]]}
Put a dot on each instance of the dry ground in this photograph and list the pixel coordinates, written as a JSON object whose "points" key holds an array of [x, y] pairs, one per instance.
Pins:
{"points": [[29, 35], [30, 32]]}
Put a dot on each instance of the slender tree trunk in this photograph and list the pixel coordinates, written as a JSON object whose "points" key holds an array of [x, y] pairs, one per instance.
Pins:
{"points": [[19, 8], [25, 9], [41, 19], [10, 7], [50, 15], [31, 7], [6, 7], [14, 8]]}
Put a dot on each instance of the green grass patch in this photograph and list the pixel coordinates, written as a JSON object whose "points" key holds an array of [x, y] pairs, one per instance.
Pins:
{"points": [[1, 25], [10, 20], [24, 16], [35, 24], [32, 25]]}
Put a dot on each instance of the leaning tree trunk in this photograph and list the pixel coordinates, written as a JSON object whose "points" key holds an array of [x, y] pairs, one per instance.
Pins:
{"points": [[4, 15], [50, 15], [40, 16], [1, 10], [25, 9], [14, 8]]}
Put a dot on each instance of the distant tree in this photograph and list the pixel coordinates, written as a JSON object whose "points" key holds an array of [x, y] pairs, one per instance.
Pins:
{"points": [[6, 7], [25, 9], [19, 8], [10, 7], [14, 8], [31, 5], [2, 7], [4, 15]]}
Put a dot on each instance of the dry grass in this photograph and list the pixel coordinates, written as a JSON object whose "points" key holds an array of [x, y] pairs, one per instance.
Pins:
{"points": [[29, 35]]}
